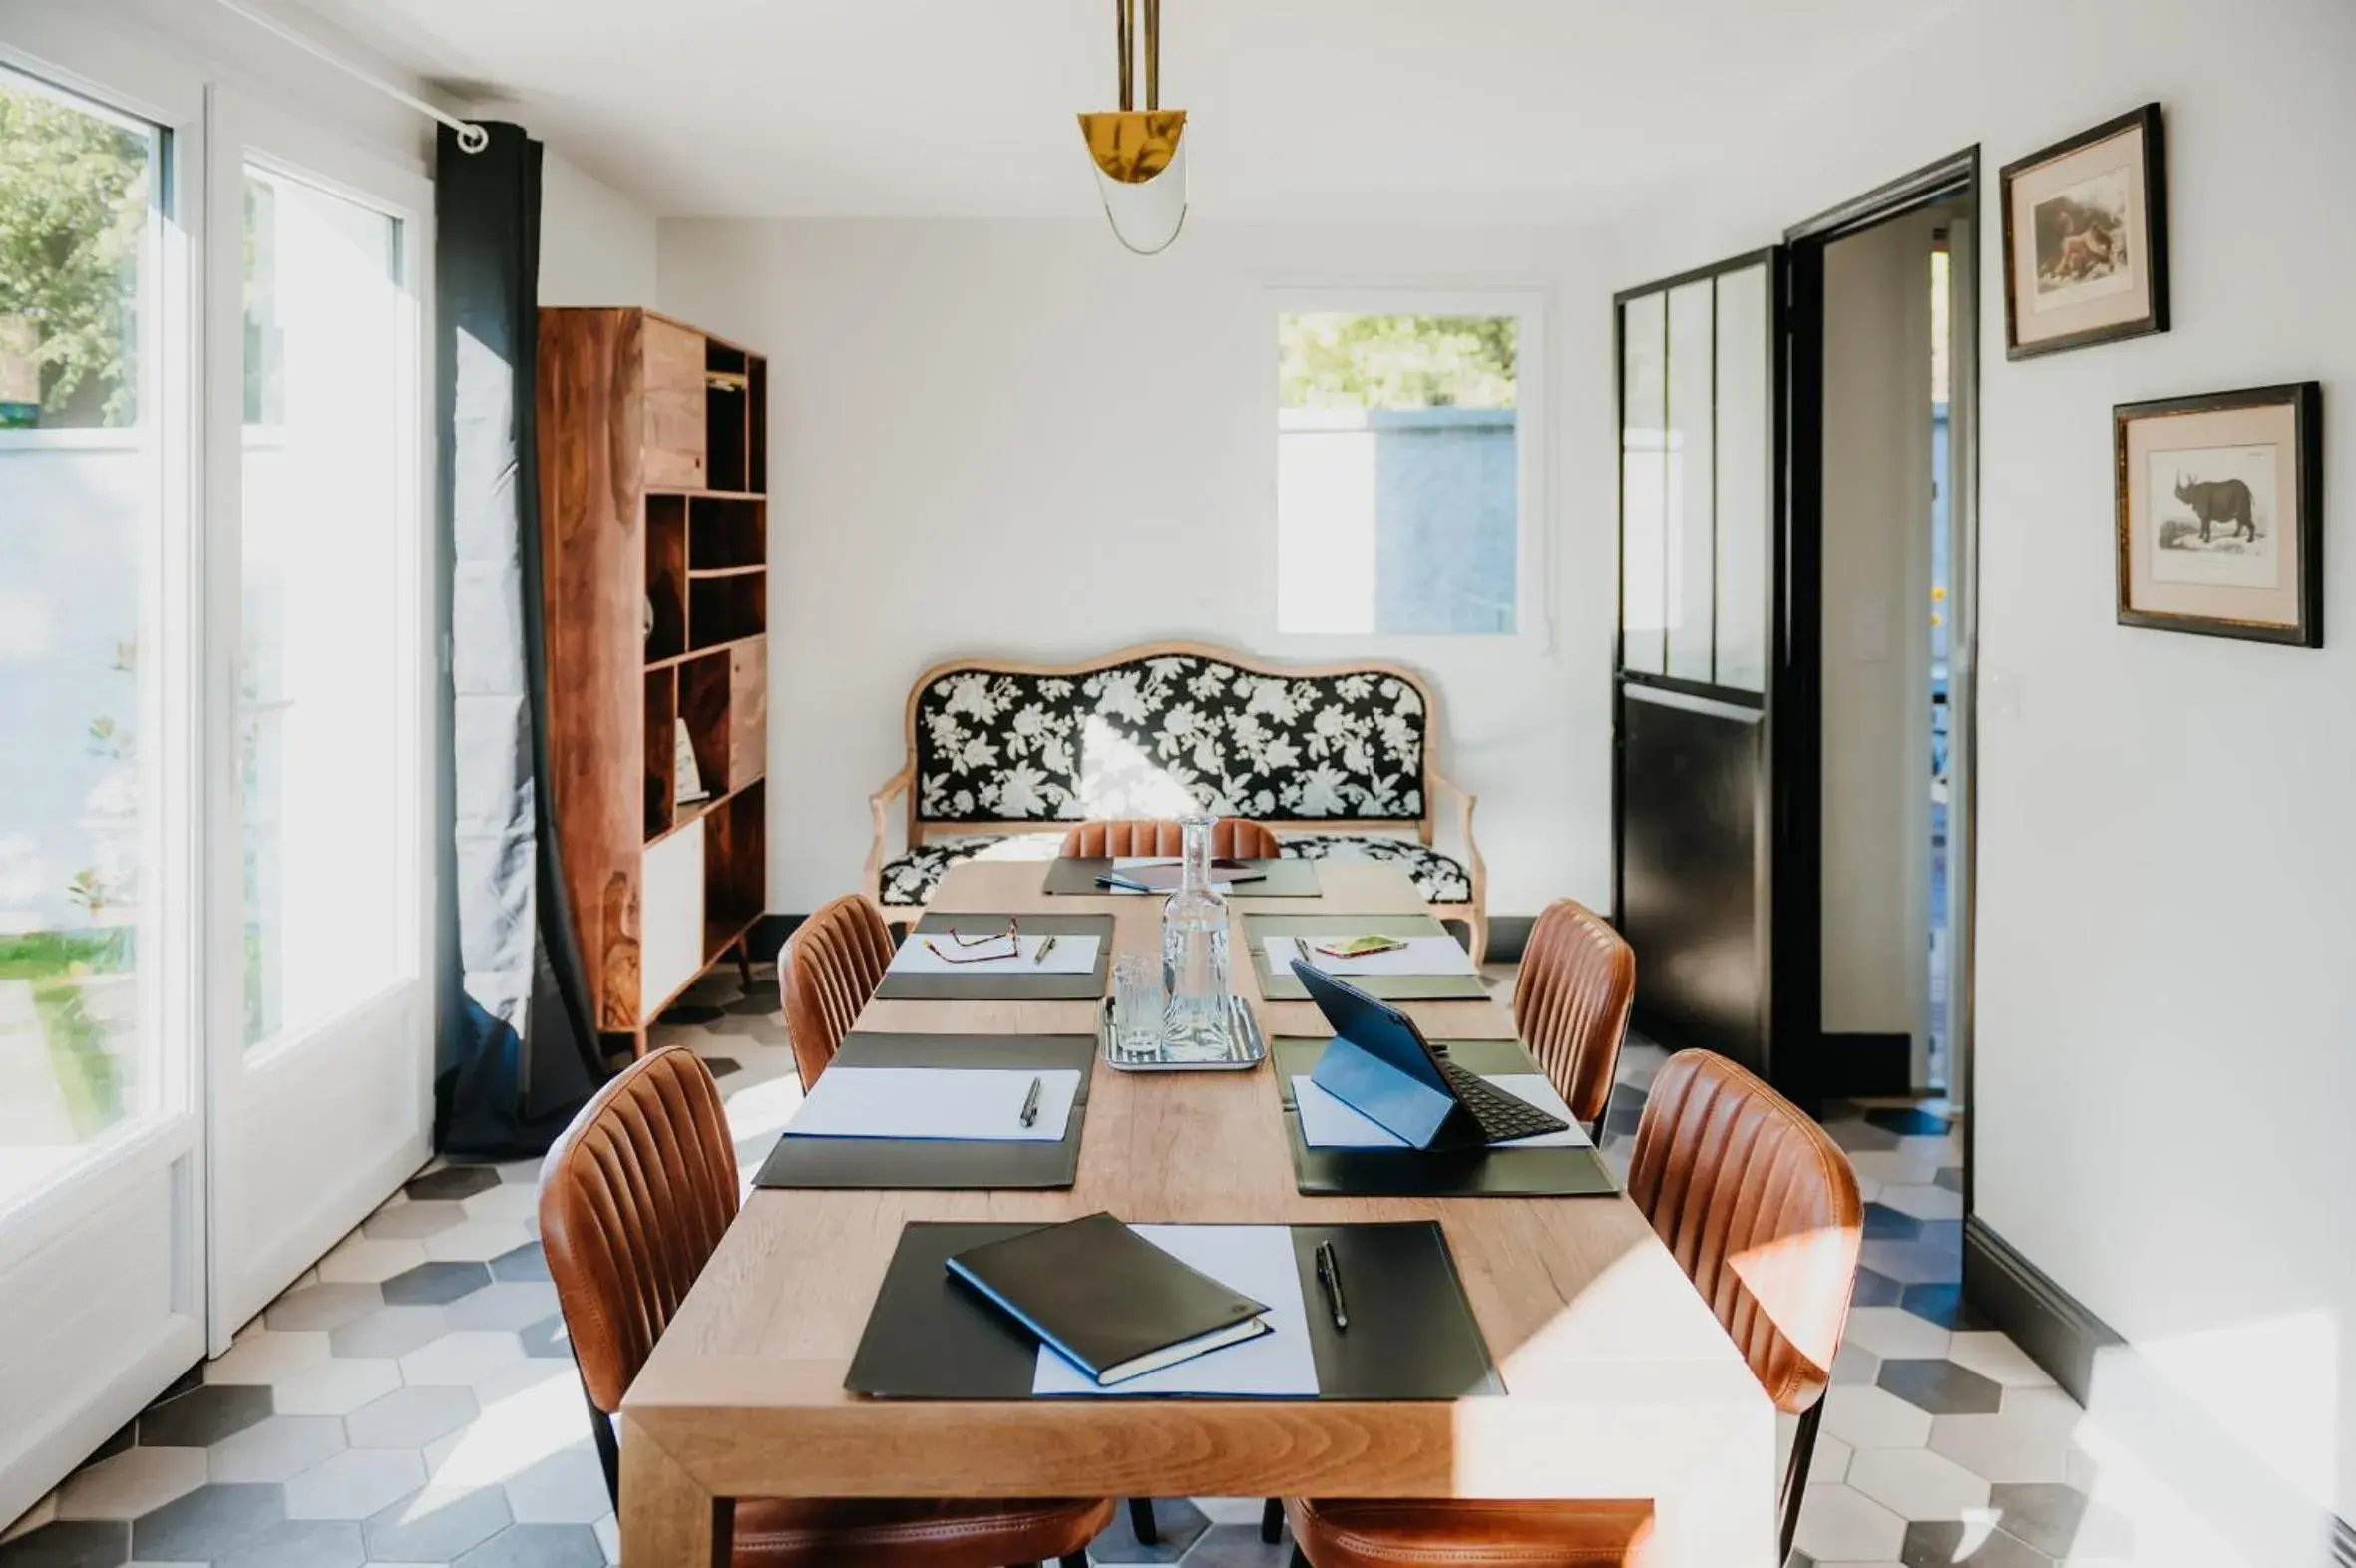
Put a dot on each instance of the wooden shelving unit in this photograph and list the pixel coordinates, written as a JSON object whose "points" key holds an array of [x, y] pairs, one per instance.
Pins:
{"points": [[654, 527]]}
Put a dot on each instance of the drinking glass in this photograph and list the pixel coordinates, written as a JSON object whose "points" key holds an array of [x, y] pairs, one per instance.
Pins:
{"points": [[1137, 1006]]}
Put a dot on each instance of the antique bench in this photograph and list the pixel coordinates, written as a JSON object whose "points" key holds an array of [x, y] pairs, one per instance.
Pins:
{"points": [[1338, 759]]}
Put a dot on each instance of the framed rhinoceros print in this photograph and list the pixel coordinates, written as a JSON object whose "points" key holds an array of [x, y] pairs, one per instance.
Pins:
{"points": [[2220, 514], [2086, 237]]}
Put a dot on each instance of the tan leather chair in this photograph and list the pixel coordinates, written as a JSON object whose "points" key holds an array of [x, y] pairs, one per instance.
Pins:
{"points": [[1235, 838], [831, 965], [1570, 1002], [1760, 1209], [633, 1200]]}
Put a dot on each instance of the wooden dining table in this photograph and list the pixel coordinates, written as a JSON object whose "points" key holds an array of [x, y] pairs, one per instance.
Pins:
{"points": [[1619, 1382]]}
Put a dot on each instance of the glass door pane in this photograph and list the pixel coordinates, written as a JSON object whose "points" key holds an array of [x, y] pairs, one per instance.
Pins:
{"points": [[82, 502], [1693, 483], [1746, 392], [1644, 481], [323, 747]]}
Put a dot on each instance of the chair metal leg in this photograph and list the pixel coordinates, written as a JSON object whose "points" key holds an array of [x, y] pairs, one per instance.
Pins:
{"points": [[1796, 1476], [744, 959], [1141, 1522], [1300, 1558], [1075, 1560], [608, 1452], [1272, 1520]]}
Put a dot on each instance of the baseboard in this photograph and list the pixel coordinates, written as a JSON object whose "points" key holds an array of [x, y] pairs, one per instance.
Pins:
{"points": [[2047, 1321], [1852, 1064], [2239, 1493]]}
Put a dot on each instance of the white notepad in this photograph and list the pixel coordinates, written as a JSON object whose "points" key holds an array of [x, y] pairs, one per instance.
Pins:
{"points": [[1255, 1259], [972, 1103], [1072, 954], [1422, 955], [1326, 1123]]}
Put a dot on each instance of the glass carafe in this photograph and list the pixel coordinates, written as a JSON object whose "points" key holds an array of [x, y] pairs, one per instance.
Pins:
{"points": [[1195, 1023]]}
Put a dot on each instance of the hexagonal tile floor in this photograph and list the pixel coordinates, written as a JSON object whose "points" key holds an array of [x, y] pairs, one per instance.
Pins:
{"points": [[411, 1400]]}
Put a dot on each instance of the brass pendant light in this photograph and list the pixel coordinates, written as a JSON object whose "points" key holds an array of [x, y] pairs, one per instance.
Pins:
{"points": [[1140, 153]]}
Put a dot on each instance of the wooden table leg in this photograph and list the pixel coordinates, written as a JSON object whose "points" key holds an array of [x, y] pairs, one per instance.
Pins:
{"points": [[667, 1520]]}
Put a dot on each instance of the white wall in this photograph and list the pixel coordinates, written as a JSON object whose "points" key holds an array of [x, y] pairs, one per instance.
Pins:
{"points": [[2165, 998], [1014, 437], [1876, 637], [596, 245]]}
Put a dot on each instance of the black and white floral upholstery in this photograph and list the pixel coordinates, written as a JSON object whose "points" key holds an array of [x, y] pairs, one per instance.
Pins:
{"points": [[1149, 736], [910, 876], [1440, 878]]}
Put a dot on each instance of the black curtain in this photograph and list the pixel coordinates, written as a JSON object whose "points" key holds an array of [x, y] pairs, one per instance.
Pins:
{"points": [[518, 1053]]}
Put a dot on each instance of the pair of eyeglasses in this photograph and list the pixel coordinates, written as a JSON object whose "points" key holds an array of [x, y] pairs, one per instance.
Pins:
{"points": [[966, 946]]}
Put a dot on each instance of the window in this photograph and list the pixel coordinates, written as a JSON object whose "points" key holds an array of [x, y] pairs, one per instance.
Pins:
{"points": [[1404, 476], [82, 500], [321, 757]]}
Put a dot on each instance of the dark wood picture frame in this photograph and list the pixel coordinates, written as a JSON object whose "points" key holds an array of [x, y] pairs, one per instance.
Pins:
{"points": [[2303, 513], [2153, 173]]}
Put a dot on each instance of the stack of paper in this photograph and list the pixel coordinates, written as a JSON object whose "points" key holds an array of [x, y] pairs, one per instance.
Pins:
{"points": [[937, 1102], [939, 954], [1329, 1123], [1422, 955]]}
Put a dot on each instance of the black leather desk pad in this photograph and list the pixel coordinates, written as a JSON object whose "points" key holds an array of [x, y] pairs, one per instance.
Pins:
{"points": [[1411, 1334], [1282, 985], [1411, 1173], [1284, 879], [941, 1164], [1009, 985]]}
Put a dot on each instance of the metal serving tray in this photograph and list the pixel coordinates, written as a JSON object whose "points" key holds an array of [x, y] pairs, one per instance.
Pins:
{"points": [[1245, 1049]]}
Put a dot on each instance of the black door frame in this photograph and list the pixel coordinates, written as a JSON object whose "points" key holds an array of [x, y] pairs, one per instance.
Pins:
{"points": [[1773, 258], [1797, 664]]}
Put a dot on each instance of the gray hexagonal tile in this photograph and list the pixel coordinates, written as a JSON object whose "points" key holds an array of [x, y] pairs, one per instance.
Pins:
{"points": [[1934, 1544], [1178, 1524], [566, 1487], [69, 1543], [211, 1521], [202, 1416], [538, 1546], [413, 1221], [390, 1331], [411, 1417], [436, 1525], [524, 1263], [2062, 1521], [435, 1283], [508, 1304], [323, 1307], [1940, 1386], [548, 1339], [276, 1450], [301, 1543], [452, 1181], [355, 1484]]}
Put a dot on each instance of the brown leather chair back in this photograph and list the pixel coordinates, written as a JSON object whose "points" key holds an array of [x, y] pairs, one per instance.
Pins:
{"points": [[1760, 1209], [1571, 1000], [832, 965], [633, 1200], [1235, 838]]}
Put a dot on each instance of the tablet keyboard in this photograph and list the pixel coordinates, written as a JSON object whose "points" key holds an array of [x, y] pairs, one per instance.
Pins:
{"points": [[1502, 1116]]}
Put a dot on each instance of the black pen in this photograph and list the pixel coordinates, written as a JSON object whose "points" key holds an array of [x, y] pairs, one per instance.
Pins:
{"points": [[1030, 1103], [1329, 1276]]}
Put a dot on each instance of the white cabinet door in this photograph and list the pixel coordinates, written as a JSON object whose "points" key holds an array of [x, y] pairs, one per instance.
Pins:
{"points": [[671, 918]]}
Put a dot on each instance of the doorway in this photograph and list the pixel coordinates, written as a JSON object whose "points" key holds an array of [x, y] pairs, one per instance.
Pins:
{"points": [[1882, 529]]}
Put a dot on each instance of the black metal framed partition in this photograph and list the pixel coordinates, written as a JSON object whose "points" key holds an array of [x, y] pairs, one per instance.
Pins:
{"points": [[1702, 611]]}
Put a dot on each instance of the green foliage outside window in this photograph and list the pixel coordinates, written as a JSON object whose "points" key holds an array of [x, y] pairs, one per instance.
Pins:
{"points": [[1342, 361], [73, 209]]}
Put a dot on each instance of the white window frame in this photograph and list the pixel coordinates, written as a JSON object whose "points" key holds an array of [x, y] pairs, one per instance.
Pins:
{"points": [[1531, 306]]}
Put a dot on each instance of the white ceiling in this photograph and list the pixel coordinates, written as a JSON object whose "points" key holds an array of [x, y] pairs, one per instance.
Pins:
{"points": [[1507, 109]]}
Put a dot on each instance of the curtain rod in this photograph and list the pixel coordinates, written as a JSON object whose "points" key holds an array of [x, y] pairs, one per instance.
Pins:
{"points": [[471, 138]]}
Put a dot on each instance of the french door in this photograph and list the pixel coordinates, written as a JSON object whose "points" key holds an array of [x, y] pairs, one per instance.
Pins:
{"points": [[321, 1086]]}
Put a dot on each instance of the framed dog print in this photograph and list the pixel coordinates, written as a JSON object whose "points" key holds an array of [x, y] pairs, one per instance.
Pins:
{"points": [[2220, 514], [2086, 239]]}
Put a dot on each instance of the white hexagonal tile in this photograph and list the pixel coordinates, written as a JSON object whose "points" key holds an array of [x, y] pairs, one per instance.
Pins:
{"points": [[566, 1487], [1894, 1334], [1996, 1449], [609, 1537], [462, 1358], [478, 1241], [506, 1201], [1855, 1364], [276, 1450], [1887, 1168], [1924, 1203], [1841, 1526], [355, 1484], [1830, 1462], [133, 1483], [338, 1387], [1869, 1417], [1915, 1483], [1994, 1356], [366, 1262], [266, 1355]]}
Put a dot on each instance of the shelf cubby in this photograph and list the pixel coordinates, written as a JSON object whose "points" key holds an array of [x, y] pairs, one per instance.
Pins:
{"points": [[661, 748], [726, 533], [703, 703], [735, 867], [725, 608], [667, 577]]}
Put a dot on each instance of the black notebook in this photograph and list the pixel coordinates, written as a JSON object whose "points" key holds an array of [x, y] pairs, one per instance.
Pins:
{"points": [[1106, 1299]]}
